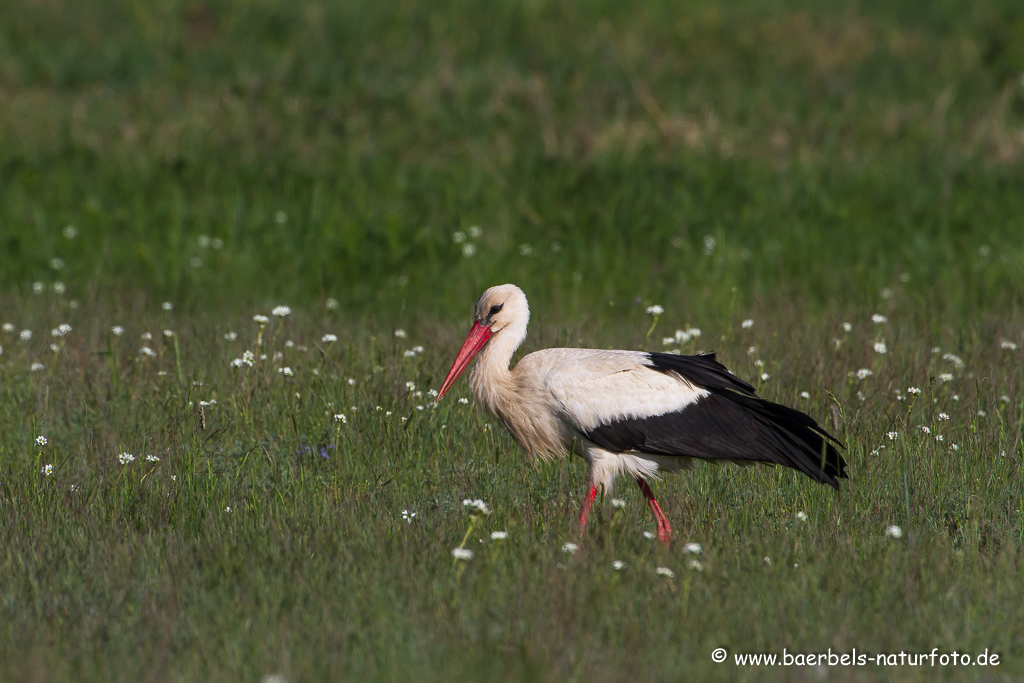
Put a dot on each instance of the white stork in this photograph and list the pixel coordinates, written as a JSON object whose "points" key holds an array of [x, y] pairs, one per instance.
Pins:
{"points": [[630, 412]]}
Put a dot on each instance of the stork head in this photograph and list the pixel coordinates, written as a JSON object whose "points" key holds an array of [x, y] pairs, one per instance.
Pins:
{"points": [[501, 310]]}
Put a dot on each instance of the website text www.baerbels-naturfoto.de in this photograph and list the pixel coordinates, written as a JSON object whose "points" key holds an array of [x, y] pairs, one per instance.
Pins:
{"points": [[855, 658]]}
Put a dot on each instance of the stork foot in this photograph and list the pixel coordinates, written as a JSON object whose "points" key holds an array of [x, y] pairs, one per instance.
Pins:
{"points": [[664, 528]]}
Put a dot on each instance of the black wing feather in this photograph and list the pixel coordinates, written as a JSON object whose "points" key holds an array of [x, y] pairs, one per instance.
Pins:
{"points": [[732, 423]]}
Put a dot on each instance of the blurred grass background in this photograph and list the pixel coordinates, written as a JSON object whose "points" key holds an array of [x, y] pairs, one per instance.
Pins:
{"points": [[334, 149], [798, 164]]}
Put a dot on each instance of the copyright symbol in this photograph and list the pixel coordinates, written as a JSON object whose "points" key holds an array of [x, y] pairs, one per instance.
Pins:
{"points": [[719, 654]]}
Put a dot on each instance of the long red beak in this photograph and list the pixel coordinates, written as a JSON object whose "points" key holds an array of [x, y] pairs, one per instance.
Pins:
{"points": [[475, 340]]}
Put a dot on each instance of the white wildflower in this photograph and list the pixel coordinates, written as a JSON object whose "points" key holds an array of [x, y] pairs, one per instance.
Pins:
{"points": [[655, 310], [468, 250], [847, 327], [46, 470], [878, 319], [569, 548], [696, 565], [340, 417], [281, 311], [329, 338], [476, 507], [943, 416], [709, 244], [765, 376], [913, 390], [25, 335], [400, 334], [1008, 345], [125, 458], [649, 535], [459, 237], [36, 367], [261, 320], [618, 565], [747, 324], [41, 441], [893, 435], [499, 535], [945, 377], [464, 400], [954, 359], [618, 503], [894, 532], [665, 571], [693, 548], [474, 231], [152, 458], [880, 347], [525, 249], [802, 516]]}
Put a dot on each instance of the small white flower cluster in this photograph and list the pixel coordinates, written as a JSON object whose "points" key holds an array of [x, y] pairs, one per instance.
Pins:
{"points": [[1008, 345], [400, 334], [618, 565], [286, 371], [666, 572], [281, 311], [693, 548], [569, 548], [413, 352], [152, 458], [464, 554], [60, 330], [683, 336], [894, 532], [747, 324], [408, 516], [25, 335], [913, 390], [36, 367], [954, 359], [655, 310], [248, 358], [499, 535], [148, 352], [261, 320], [945, 377], [46, 470], [125, 458], [618, 503], [893, 435], [880, 347], [476, 507], [802, 516], [463, 400], [943, 416], [340, 417], [41, 441], [329, 338], [879, 319]]}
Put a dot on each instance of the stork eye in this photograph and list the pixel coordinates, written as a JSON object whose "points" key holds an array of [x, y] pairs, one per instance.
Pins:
{"points": [[495, 309]]}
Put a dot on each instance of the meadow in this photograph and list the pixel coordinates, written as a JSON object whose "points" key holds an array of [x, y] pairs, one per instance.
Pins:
{"points": [[239, 247]]}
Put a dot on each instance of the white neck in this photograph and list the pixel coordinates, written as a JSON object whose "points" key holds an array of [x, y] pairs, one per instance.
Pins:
{"points": [[490, 379]]}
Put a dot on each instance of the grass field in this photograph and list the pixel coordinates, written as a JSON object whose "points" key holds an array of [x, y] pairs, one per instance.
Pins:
{"points": [[169, 170]]}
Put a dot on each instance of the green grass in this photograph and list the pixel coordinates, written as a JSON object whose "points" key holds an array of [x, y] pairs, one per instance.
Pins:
{"points": [[228, 157]]}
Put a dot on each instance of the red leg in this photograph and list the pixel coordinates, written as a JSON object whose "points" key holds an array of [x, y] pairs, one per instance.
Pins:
{"points": [[664, 528], [588, 503]]}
